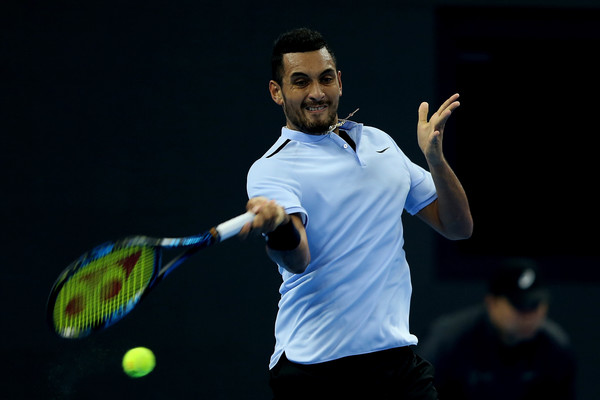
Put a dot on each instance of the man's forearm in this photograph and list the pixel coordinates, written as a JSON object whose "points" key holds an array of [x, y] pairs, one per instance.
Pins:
{"points": [[453, 208]]}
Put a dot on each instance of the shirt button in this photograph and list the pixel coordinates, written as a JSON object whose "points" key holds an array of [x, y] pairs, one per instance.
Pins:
{"points": [[345, 146]]}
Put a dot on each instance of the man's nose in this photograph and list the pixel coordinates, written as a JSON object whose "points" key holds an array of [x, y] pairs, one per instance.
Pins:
{"points": [[316, 92]]}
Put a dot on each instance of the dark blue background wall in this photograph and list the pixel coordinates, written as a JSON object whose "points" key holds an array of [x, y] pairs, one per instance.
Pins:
{"points": [[121, 118]]}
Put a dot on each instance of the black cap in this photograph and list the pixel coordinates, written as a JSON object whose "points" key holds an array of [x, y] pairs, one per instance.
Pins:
{"points": [[519, 280]]}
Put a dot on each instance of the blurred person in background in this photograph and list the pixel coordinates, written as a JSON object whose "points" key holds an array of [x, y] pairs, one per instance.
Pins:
{"points": [[506, 347]]}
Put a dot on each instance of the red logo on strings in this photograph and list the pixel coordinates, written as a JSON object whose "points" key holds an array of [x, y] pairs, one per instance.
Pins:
{"points": [[109, 289]]}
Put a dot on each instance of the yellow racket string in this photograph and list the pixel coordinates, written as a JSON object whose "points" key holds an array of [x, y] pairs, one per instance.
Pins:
{"points": [[106, 287]]}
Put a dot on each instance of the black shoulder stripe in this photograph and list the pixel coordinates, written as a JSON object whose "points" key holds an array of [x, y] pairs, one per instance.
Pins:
{"points": [[279, 148]]}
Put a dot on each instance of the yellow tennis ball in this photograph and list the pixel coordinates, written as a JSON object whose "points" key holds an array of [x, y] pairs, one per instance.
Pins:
{"points": [[138, 362]]}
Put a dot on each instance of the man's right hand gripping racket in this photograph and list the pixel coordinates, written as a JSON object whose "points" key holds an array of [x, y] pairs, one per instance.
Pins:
{"points": [[106, 283]]}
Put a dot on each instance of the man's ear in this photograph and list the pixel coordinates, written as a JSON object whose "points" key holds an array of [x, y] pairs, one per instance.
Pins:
{"points": [[339, 77], [275, 91]]}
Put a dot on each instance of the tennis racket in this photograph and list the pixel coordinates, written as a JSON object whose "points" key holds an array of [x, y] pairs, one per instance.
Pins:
{"points": [[106, 283]]}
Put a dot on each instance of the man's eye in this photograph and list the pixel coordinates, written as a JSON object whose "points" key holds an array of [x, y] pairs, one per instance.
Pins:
{"points": [[300, 83], [327, 79]]}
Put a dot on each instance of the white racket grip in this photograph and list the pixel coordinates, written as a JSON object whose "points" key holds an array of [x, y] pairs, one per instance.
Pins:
{"points": [[232, 227]]}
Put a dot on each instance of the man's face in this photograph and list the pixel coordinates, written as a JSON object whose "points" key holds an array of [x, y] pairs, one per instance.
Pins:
{"points": [[515, 325], [310, 91]]}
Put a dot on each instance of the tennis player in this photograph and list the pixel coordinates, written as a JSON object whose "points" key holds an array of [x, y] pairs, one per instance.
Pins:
{"points": [[329, 196]]}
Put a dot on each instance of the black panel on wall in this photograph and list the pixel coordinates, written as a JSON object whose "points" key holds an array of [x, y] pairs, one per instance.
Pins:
{"points": [[525, 141]]}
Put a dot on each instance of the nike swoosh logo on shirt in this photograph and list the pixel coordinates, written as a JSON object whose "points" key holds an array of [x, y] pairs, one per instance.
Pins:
{"points": [[381, 151]]}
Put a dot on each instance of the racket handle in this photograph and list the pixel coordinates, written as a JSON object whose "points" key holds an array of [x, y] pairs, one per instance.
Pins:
{"points": [[232, 227]]}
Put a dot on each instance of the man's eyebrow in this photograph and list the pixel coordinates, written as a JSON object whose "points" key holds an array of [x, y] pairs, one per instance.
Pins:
{"points": [[328, 71], [305, 75], [298, 75]]}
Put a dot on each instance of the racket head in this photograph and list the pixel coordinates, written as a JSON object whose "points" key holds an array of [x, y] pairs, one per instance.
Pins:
{"points": [[102, 286]]}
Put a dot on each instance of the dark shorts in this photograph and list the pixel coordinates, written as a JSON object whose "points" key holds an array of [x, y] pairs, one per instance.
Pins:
{"points": [[390, 374]]}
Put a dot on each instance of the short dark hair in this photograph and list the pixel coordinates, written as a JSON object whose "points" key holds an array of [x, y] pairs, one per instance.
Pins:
{"points": [[299, 40]]}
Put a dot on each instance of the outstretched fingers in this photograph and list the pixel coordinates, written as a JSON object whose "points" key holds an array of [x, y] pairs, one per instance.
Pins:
{"points": [[449, 104], [423, 111], [447, 108], [445, 111], [442, 114]]}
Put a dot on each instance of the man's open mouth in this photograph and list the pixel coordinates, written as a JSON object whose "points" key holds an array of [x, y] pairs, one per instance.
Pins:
{"points": [[316, 108]]}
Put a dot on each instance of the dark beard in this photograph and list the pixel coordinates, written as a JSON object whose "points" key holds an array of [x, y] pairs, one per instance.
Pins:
{"points": [[316, 128]]}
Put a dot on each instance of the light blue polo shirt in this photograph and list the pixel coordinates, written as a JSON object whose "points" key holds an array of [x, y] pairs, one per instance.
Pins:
{"points": [[354, 297]]}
